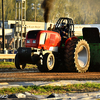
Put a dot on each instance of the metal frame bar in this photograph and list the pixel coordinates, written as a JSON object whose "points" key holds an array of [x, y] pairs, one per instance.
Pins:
{"points": [[21, 20]]}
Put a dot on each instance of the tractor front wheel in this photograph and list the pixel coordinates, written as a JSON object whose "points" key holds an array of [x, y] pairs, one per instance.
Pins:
{"points": [[77, 55], [48, 63]]}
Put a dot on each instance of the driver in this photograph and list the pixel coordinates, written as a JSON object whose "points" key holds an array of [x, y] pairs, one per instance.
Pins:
{"points": [[64, 31]]}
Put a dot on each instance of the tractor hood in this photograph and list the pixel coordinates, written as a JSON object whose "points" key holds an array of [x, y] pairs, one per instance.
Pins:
{"points": [[43, 39]]}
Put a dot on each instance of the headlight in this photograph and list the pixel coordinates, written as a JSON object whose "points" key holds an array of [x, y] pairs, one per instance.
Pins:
{"points": [[34, 41], [28, 41], [42, 38]]}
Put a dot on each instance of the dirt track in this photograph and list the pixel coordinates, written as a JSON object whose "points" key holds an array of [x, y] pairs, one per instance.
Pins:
{"points": [[35, 76]]}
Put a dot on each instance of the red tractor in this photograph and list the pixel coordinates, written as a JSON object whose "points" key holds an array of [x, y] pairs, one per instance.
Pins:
{"points": [[48, 49]]}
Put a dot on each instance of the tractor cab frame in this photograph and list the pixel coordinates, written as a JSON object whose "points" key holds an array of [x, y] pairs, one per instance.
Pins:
{"points": [[68, 24]]}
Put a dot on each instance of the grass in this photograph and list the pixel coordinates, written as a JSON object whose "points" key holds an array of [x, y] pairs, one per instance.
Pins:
{"points": [[12, 65], [47, 90]]}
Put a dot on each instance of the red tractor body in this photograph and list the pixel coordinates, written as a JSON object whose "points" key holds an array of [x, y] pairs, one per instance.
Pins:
{"points": [[43, 39]]}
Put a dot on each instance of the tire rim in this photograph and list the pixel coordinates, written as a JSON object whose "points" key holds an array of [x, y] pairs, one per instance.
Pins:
{"points": [[82, 56], [50, 60]]}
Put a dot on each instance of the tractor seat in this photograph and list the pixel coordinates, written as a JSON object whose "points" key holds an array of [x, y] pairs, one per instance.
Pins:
{"points": [[91, 34]]}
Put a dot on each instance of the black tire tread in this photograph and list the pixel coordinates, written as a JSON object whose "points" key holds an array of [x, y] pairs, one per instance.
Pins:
{"points": [[17, 63], [70, 52]]}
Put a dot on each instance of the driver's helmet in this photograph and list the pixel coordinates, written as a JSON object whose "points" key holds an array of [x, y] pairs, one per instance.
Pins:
{"points": [[63, 24]]}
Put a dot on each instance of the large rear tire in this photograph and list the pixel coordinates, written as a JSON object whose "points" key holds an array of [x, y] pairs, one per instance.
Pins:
{"points": [[77, 55], [17, 63]]}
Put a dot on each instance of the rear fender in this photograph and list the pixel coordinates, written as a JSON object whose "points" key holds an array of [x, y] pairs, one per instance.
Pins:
{"points": [[69, 39]]}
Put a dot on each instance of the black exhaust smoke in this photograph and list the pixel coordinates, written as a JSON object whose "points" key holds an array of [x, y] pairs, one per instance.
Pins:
{"points": [[47, 6]]}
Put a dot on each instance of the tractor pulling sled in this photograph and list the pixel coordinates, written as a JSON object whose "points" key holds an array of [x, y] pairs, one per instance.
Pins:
{"points": [[48, 49]]}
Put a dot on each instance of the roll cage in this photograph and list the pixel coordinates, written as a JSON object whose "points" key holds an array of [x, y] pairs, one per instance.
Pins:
{"points": [[68, 23]]}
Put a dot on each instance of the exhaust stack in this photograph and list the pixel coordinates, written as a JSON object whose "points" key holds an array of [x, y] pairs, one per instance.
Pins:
{"points": [[47, 5], [45, 26]]}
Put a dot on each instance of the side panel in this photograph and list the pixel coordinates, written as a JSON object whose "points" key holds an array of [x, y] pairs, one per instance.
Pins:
{"points": [[52, 40], [95, 53]]}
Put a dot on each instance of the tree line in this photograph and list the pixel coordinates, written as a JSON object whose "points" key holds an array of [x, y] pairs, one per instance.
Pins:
{"points": [[81, 11]]}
